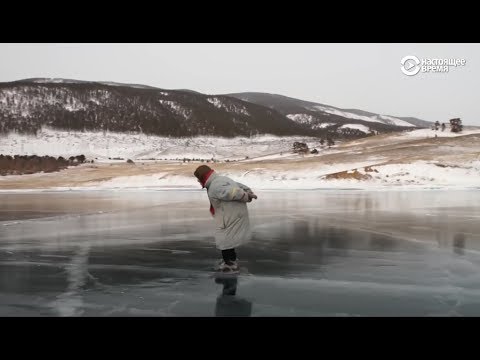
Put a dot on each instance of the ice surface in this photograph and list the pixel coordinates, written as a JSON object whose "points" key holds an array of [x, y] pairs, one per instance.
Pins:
{"points": [[314, 253]]}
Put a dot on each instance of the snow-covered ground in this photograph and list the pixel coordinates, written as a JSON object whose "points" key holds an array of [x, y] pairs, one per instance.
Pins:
{"points": [[143, 147], [417, 175], [270, 164], [429, 133], [425, 175]]}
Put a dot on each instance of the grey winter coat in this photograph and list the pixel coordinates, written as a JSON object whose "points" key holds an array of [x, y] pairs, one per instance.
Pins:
{"points": [[229, 199]]}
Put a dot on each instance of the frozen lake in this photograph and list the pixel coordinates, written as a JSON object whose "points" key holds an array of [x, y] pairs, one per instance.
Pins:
{"points": [[314, 253]]}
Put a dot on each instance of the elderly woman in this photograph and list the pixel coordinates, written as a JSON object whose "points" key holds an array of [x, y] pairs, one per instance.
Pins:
{"points": [[228, 206]]}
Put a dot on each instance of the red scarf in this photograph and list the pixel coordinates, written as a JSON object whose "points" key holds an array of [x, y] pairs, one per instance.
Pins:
{"points": [[203, 182]]}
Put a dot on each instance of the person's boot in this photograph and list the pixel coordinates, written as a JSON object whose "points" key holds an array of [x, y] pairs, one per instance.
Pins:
{"points": [[228, 267]]}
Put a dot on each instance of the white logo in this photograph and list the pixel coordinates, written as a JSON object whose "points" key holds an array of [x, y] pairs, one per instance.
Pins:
{"points": [[410, 65]]}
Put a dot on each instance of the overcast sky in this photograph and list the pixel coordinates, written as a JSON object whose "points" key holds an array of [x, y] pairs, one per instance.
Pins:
{"points": [[360, 76]]}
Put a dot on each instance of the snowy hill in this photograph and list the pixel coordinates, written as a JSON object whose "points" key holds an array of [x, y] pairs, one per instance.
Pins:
{"points": [[316, 114], [27, 106]]}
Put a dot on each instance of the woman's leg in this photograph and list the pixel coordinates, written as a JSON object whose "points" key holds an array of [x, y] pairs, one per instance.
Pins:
{"points": [[229, 256]]}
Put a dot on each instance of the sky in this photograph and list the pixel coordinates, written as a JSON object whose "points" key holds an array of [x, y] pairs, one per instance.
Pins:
{"points": [[349, 76]]}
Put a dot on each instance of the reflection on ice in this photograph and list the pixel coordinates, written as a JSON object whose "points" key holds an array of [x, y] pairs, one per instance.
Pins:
{"points": [[459, 244], [228, 303], [70, 303]]}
